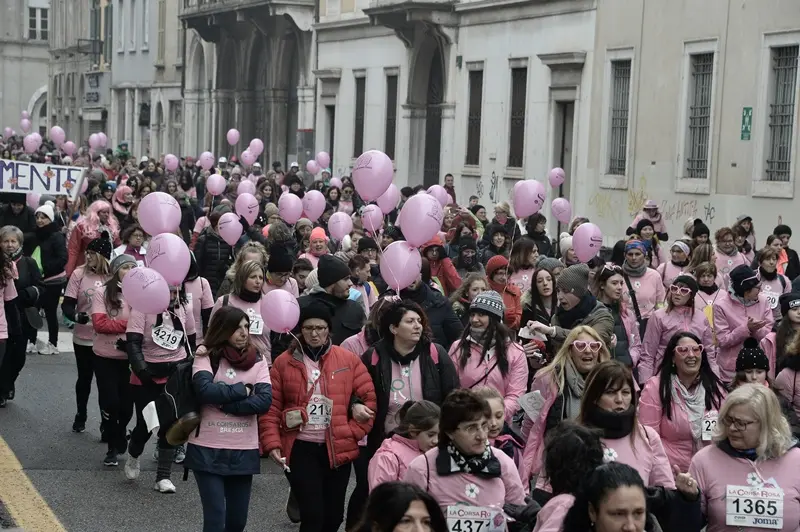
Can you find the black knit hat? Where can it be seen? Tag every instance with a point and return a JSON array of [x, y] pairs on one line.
[[700, 229], [782, 229], [644, 222], [367, 243], [279, 260], [394, 232], [751, 356], [467, 243], [331, 270], [688, 280], [743, 279], [101, 245], [313, 308], [789, 301]]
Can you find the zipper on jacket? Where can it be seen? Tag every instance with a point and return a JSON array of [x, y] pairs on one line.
[[324, 390]]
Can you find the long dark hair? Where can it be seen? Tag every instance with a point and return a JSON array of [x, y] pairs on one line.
[[392, 314], [610, 376], [595, 488], [571, 451], [496, 333], [783, 339], [223, 324], [709, 380], [113, 291], [536, 297], [388, 502]]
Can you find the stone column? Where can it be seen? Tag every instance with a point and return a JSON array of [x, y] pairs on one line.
[[276, 103], [128, 136], [413, 118], [190, 122]]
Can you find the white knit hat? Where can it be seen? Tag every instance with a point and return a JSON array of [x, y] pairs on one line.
[[47, 210], [565, 243]]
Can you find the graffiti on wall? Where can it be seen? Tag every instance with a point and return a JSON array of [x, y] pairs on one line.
[[710, 212], [637, 197], [678, 210], [603, 205]]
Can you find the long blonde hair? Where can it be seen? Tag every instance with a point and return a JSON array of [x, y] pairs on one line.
[[558, 366]]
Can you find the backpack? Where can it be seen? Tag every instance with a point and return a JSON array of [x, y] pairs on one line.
[[177, 406]]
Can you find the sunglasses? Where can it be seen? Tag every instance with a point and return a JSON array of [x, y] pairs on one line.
[[682, 290], [582, 346], [686, 349], [612, 268]]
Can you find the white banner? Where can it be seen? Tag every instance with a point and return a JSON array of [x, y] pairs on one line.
[[41, 178]]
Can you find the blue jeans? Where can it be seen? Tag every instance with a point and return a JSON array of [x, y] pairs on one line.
[[225, 500]]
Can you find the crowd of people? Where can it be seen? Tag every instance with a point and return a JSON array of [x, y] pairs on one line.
[[510, 386]]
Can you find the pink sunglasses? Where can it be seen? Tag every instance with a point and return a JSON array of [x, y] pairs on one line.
[[583, 346]]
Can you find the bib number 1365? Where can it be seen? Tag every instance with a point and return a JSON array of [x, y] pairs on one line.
[[756, 507]]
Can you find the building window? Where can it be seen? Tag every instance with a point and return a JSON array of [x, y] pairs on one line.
[[516, 130], [134, 25], [473, 156], [391, 116], [181, 42], [145, 24], [699, 124], [162, 31], [358, 144], [783, 88], [108, 30], [38, 24], [620, 96]]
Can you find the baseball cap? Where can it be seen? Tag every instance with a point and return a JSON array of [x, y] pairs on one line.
[[294, 164], [223, 160]]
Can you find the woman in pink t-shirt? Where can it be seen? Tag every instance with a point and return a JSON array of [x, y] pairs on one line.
[[232, 383], [247, 282], [77, 306], [109, 315], [199, 297]]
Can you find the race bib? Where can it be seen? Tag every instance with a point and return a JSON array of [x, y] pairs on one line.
[[256, 322], [772, 299], [752, 506], [167, 337], [462, 518], [319, 411], [709, 424]]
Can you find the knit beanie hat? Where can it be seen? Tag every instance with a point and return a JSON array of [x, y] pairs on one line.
[[467, 243], [574, 279], [312, 280], [782, 229], [743, 278], [495, 263], [120, 261], [489, 302], [687, 280], [564, 243], [48, 211], [644, 222], [101, 245], [270, 209], [318, 234], [548, 263], [751, 356], [367, 243], [313, 308], [789, 301], [393, 232], [700, 229], [331, 270], [303, 222], [279, 260]]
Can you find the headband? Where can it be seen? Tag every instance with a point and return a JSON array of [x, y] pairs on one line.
[[635, 244], [682, 245]]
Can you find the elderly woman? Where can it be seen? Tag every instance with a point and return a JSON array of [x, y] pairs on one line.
[[748, 478]]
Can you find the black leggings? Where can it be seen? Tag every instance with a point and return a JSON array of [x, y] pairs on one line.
[[114, 394], [142, 395], [358, 499], [49, 302], [12, 358], [225, 500], [320, 490], [84, 358]]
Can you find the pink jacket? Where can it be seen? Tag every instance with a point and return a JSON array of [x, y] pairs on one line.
[[658, 223], [730, 325], [788, 385], [545, 389], [391, 460], [635, 349], [467, 488], [668, 272], [511, 386], [769, 346], [715, 471], [645, 454], [675, 433], [726, 263], [649, 292], [551, 516], [663, 325], [773, 289], [356, 344]]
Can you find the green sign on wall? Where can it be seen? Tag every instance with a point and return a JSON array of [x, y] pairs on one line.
[[747, 122]]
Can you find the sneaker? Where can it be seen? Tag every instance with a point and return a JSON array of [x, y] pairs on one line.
[[33, 347], [164, 486], [292, 508], [132, 468], [180, 454], [79, 425], [48, 349], [111, 459]]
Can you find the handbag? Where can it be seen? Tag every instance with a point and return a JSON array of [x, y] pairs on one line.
[[642, 322]]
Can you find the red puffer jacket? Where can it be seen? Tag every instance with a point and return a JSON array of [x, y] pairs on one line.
[[342, 376]]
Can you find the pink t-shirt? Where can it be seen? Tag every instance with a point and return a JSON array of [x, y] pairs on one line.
[[105, 345], [219, 430], [313, 433], [290, 286], [259, 334], [82, 286], [9, 294], [521, 279], [201, 224], [313, 259], [406, 386], [200, 297], [144, 325]]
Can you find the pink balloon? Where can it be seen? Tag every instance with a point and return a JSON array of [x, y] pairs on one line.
[[146, 291], [25, 114], [256, 147], [372, 174], [562, 210], [556, 177], [372, 218], [33, 200], [246, 187], [529, 197], [323, 159], [313, 204], [340, 225], [233, 136], [159, 213], [206, 160], [168, 254], [37, 136], [336, 182], [290, 208], [230, 228], [94, 141], [438, 192], [57, 135], [312, 167], [7, 132], [103, 139], [170, 162], [389, 199], [280, 311], [284, 188], [587, 241], [25, 125], [247, 206], [68, 147], [216, 184], [400, 265], [248, 157], [427, 214], [30, 144]]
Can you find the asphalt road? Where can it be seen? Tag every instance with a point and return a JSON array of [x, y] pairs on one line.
[[67, 470]]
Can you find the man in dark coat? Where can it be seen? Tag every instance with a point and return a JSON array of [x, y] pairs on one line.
[[17, 213]]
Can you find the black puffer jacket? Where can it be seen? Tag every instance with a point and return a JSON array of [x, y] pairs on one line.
[[28, 290], [444, 323], [543, 244], [348, 316], [53, 250], [214, 257], [24, 221]]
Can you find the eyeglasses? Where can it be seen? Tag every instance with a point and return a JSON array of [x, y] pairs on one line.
[[582, 346], [686, 349], [315, 329], [682, 290], [474, 428], [738, 424]]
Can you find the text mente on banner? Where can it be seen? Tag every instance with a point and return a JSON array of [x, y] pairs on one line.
[[23, 176]]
